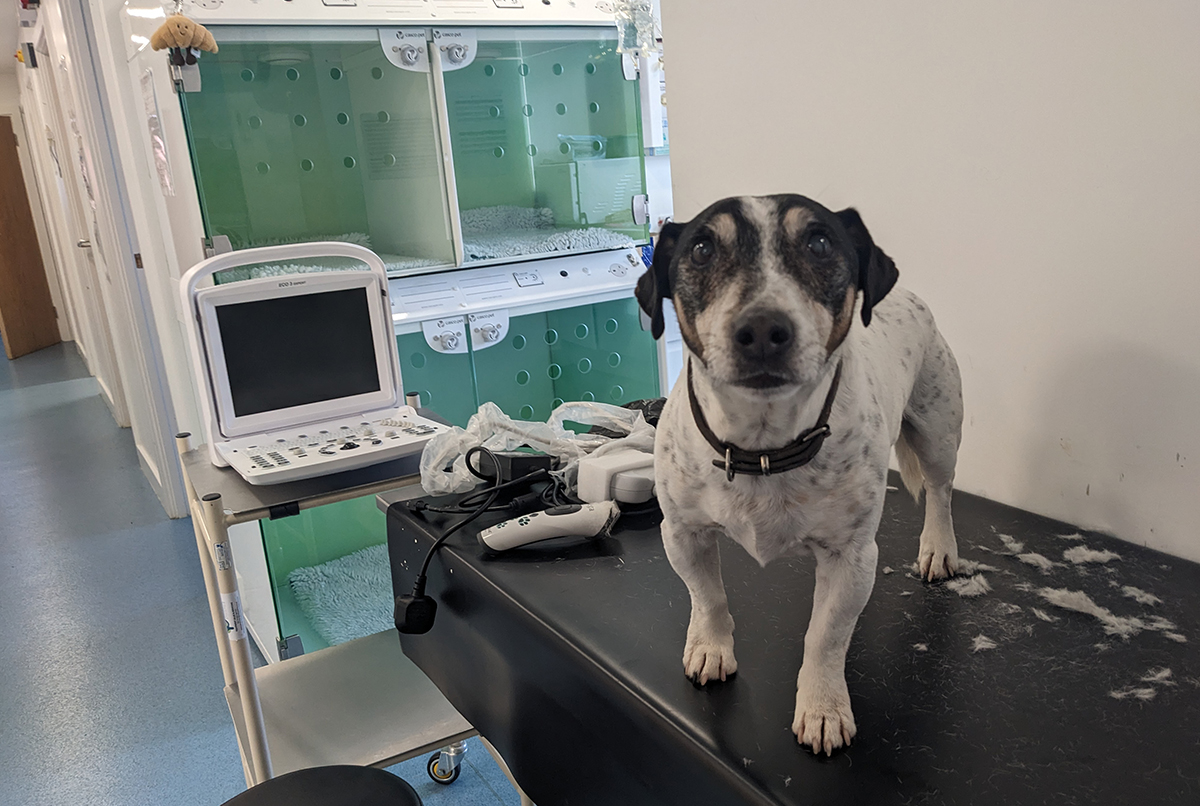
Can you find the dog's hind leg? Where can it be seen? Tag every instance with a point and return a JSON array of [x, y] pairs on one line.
[[693, 553], [927, 450], [823, 719]]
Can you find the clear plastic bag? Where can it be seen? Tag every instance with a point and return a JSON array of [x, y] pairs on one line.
[[443, 462]]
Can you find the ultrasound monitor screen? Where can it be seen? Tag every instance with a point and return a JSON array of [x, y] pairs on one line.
[[295, 350]]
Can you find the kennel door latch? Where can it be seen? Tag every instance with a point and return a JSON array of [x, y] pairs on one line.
[[447, 336], [487, 329], [405, 48]]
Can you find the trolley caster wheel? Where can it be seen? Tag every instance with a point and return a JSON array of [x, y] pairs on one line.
[[436, 774]]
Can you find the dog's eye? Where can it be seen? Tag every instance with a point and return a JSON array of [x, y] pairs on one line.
[[703, 251], [818, 243]]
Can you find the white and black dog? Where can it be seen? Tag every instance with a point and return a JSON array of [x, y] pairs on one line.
[[778, 432]]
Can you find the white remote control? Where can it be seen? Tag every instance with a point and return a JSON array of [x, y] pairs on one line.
[[583, 520]]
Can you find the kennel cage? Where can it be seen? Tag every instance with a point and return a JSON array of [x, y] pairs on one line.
[[490, 151]]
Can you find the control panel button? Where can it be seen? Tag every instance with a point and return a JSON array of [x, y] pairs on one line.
[[509, 3], [527, 278]]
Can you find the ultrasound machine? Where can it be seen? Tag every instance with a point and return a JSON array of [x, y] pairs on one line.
[[300, 371]]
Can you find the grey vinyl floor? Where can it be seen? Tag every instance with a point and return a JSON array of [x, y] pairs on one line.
[[110, 687]]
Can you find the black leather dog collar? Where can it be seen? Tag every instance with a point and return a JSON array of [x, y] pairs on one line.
[[763, 463]]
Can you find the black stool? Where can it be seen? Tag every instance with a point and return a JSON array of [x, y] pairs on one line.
[[342, 785]]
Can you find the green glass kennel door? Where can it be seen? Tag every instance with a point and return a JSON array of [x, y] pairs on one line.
[[303, 134], [590, 352], [546, 138]]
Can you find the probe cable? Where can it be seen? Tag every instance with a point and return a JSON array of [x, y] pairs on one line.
[[414, 613]]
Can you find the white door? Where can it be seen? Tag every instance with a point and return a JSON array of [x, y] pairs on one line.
[[107, 249], [73, 232]]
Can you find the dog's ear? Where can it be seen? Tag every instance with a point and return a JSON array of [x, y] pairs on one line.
[[876, 271], [655, 285]]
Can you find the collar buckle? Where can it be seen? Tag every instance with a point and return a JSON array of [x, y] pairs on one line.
[[729, 464]]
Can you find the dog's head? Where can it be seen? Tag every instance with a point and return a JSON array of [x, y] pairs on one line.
[[765, 287]]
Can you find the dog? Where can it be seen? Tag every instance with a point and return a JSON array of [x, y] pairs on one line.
[[805, 365]]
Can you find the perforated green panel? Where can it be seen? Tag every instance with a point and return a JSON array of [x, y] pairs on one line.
[[590, 352], [444, 381], [604, 354], [315, 138], [513, 373]]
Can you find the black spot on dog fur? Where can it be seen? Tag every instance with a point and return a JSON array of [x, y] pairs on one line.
[[696, 287], [825, 280]]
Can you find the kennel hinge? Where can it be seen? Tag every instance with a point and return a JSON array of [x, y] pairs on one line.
[[216, 245], [290, 647], [185, 77]]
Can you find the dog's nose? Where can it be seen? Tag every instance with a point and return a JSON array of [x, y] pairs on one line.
[[762, 334]]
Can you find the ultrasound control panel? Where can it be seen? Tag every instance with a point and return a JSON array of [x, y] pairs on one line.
[[329, 447]]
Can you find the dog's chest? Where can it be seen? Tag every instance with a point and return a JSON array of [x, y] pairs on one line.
[[824, 505], [795, 512]]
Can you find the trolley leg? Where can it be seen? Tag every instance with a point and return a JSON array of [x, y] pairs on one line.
[[235, 630], [183, 445]]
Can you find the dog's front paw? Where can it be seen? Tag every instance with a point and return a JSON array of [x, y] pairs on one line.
[[937, 562], [708, 656], [823, 718]]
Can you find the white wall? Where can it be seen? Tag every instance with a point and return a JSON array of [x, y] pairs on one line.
[[1034, 169]]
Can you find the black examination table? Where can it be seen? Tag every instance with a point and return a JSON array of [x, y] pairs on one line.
[[568, 659]]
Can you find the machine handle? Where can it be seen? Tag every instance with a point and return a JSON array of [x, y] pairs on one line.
[[275, 254]]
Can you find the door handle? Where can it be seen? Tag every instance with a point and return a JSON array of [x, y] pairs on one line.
[[83, 243]]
